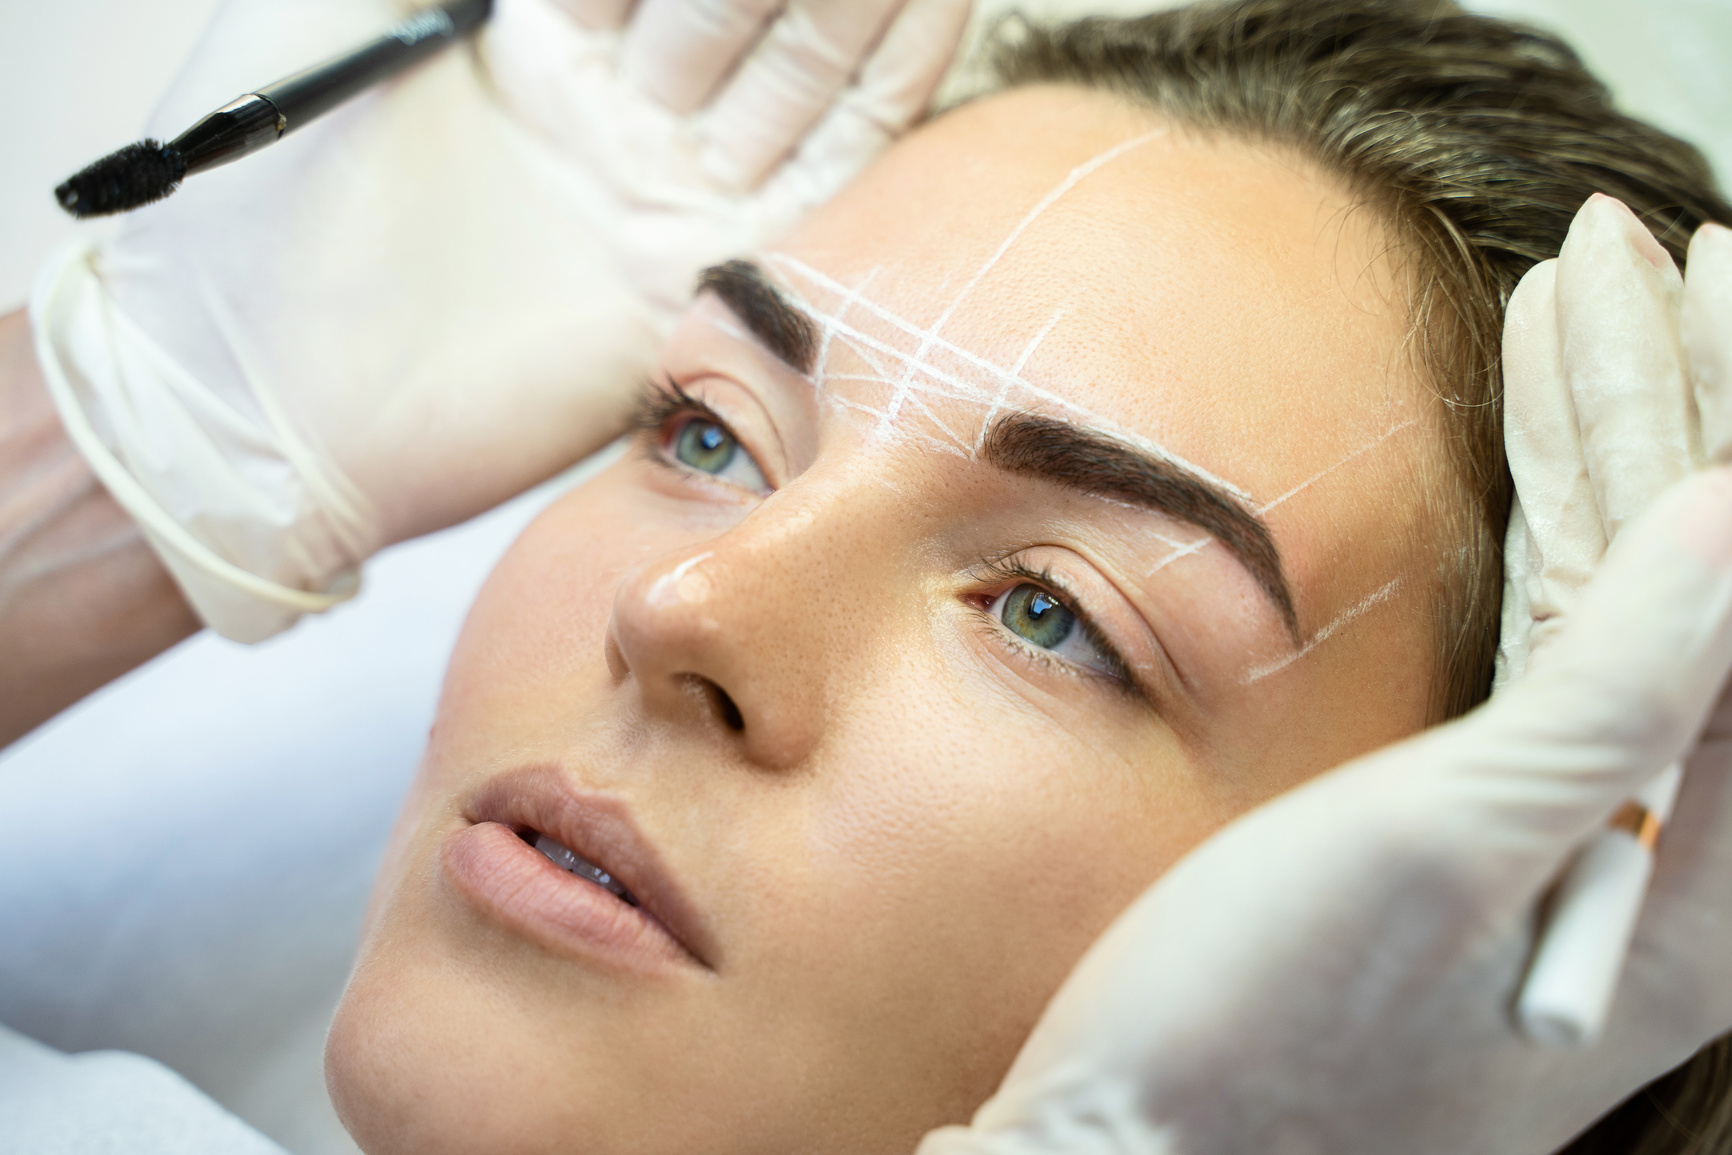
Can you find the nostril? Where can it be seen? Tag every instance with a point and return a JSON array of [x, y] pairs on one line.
[[725, 707]]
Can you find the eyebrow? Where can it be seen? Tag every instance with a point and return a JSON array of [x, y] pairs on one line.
[[1078, 459], [749, 294]]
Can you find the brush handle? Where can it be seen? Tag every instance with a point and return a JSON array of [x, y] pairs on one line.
[[262, 117], [306, 95]]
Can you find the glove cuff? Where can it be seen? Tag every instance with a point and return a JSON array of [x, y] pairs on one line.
[[255, 527]]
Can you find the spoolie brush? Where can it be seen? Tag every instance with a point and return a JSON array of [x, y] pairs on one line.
[[136, 175], [148, 171]]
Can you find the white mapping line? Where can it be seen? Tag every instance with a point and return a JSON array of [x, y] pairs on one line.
[[916, 399], [942, 446], [722, 324], [929, 337], [969, 390], [1182, 551], [1077, 175], [822, 361], [1319, 476], [1257, 673], [1015, 371], [1197, 545]]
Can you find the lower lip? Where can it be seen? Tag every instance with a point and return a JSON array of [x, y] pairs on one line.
[[517, 887]]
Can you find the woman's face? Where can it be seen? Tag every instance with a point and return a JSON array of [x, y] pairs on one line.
[[883, 679]]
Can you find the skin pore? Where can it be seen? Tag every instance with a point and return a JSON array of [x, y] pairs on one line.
[[798, 668]]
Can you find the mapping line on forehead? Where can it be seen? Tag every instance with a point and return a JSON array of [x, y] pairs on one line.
[[956, 444], [969, 390], [1077, 175], [915, 434], [1015, 372], [930, 337], [1258, 673], [965, 390], [1322, 473], [880, 376], [916, 399], [821, 367]]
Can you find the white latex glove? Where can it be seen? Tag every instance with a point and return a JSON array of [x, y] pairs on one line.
[[1335, 971], [1615, 386], [445, 290]]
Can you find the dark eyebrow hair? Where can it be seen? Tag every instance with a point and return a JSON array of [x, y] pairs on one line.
[[760, 306], [1088, 462]]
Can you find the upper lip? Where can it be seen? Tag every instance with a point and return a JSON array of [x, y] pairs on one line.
[[599, 828]]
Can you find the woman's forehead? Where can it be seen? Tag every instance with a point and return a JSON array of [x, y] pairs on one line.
[[1060, 251]]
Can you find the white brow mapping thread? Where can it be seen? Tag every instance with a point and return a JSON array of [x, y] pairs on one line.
[[1258, 673], [1022, 360], [1075, 177], [827, 334], [833, 325], [1322, 473], [949, 385]]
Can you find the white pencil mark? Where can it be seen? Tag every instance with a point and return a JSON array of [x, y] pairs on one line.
[[1319, 476], [1189, 549], [967, 390], [929, 337], [726, 326], [822, 361], [1077, 175], [1015, 372], [1257, 673]]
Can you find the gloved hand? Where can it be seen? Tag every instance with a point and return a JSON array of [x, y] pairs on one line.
[[1334, 971], [446, 290], [1615, 386], [1614, 381]]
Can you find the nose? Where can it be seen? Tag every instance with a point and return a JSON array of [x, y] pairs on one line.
[[735, 635]]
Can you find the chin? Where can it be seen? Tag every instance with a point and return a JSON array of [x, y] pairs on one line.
[[408, 1080]]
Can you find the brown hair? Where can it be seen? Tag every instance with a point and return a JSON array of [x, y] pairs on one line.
[[1479, 140]]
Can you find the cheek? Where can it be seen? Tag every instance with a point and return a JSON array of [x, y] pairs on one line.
[[532, 648], [962, 857]]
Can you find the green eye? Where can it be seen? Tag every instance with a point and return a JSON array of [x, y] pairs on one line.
[[1030, 612], [705, 446]]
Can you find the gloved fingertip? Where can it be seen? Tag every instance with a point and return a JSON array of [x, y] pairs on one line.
[[1706, 332], [1712, 242], [1605, 218], [1532, 306]]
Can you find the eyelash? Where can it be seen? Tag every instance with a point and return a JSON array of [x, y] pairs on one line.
[[659, 401], [1004, 572]]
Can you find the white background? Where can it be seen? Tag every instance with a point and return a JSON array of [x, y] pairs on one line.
[[187, 853]]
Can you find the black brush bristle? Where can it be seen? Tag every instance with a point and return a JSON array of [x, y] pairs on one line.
[[136, 175]]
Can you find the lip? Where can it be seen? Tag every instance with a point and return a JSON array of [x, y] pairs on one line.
[[516, 886]]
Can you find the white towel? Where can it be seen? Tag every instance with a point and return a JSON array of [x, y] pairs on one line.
[[109, 1103]]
